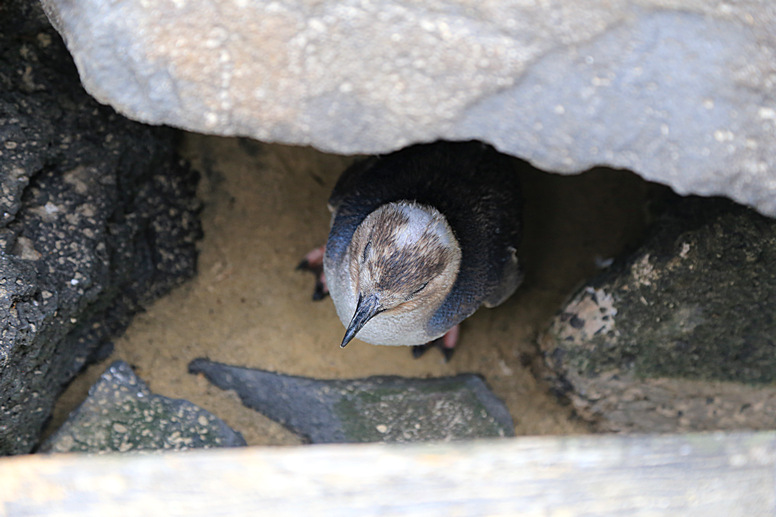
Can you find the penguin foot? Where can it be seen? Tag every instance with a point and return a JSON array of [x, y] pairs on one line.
[[446, 344], [313, 262], [419, 350]]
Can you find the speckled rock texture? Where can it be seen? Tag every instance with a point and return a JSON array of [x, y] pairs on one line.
[[680, 91], [121, 414], [373, 409], [682, 335], [97, 217]]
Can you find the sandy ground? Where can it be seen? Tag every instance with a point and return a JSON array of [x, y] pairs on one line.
[[265, 207]]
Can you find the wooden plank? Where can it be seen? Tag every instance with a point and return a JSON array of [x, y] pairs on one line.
[[697, 474]]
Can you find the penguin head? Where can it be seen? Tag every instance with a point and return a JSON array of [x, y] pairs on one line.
[[403, 257]]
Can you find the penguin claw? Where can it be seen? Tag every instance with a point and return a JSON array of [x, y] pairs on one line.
[[419, 350], [313, 262], [446, 345], [320, 291]]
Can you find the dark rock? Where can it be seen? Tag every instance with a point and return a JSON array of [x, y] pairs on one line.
[[380, 408], [98, 216], [121, 414], [682, 335]]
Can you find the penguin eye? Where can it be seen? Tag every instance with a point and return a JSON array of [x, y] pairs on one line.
[[366, 251]]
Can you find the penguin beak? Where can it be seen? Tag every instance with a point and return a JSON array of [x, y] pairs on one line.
[[366, 309]]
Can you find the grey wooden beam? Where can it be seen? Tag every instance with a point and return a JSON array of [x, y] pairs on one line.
[[716, 474]]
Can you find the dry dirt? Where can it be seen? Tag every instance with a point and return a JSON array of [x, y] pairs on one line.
[[265, 207]]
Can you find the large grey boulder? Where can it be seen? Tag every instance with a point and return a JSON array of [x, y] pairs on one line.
[[680, 91], [681, 336], [98, 216]]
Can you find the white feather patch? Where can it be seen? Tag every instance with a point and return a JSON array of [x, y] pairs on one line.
[[421, 221]]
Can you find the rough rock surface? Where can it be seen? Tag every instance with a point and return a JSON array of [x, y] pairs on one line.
[[681, 91], [97, 217], [374, 409], [121, 414], [682, 335]]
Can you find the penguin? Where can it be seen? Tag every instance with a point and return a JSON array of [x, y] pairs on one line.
[[420, 239]]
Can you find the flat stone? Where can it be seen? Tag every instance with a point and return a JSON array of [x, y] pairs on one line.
[[121, 414], [373, 409], [679, 91], [681, 335]]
